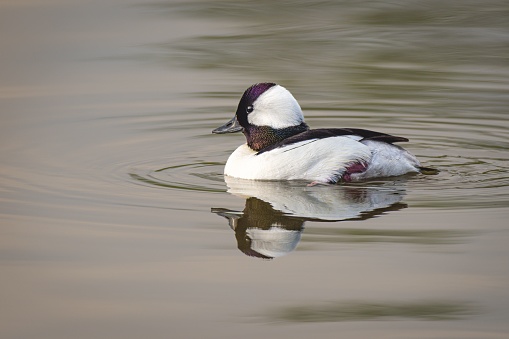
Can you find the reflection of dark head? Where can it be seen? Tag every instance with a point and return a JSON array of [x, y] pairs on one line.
[[259, 215]]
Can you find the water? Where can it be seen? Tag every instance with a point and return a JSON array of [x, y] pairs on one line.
[[116, 221]]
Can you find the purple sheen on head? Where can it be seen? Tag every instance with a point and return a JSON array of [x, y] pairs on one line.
[[253, 92]]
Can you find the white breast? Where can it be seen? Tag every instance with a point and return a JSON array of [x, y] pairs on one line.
[[320, 160]]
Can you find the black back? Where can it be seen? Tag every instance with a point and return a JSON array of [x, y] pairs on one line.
[[322, 133]]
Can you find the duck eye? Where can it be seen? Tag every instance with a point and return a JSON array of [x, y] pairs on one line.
[[249, 109]]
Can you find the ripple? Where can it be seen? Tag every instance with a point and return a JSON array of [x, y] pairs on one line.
[[201, 176], [475, 180]]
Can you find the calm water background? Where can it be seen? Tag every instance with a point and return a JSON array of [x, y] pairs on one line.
[[116, 221]]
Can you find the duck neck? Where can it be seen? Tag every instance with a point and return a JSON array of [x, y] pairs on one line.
[[259, 137]]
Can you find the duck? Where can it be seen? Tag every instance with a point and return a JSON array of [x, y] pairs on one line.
[[281, 146]]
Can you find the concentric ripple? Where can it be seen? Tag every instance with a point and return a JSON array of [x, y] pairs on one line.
[[198, 176]]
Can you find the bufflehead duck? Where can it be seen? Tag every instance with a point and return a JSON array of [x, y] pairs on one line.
[[281, 146]]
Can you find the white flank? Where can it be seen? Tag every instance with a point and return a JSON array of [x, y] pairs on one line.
[[387, 160], [320, 160]]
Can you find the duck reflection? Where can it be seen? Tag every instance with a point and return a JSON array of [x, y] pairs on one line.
[[273, 218]]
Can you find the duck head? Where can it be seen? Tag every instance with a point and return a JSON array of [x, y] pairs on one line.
[[267, 113]]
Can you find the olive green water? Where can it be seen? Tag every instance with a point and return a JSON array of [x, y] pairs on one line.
[[116, 220]]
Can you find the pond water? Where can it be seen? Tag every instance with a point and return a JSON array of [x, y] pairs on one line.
[[116, 220]]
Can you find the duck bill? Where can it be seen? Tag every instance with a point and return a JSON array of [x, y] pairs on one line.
[[231, 126]]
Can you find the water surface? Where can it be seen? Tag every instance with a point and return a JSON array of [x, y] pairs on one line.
[[116, 220]]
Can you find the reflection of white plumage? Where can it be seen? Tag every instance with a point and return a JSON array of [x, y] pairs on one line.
[[322, 202], [273, 242], [280, 145], [275, 211]]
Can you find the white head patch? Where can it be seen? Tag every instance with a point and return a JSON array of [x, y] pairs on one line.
[[276, 108]]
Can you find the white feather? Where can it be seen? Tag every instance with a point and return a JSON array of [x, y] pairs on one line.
[[320, 160], [276, 108], [387, 160]]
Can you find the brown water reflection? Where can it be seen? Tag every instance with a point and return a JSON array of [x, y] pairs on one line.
[[358, 311]]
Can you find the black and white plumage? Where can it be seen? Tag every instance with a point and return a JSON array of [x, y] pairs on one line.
[[281, 146]]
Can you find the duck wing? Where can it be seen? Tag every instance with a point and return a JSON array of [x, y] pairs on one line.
[[322, 133]]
